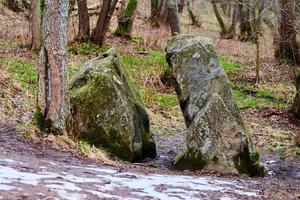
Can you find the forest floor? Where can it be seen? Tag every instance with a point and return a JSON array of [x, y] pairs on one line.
[[36, 166]]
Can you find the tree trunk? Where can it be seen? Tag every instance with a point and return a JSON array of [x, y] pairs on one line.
[[84, 21], [71, 7], [232, 29], [36, 24], [181, 5], [107, 10], [245, 23], [296, 105], [159, 12], [173, 17], [193, 18], [53, 97], [125, 22], [223, 27], [287, 47]]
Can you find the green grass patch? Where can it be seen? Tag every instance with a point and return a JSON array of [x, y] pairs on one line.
[[166, 100], [24, 72], [145, 68], [230, 66], [87, 49], [247, 96], [149, 65]]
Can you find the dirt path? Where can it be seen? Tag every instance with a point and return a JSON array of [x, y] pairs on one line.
[[31, 171]]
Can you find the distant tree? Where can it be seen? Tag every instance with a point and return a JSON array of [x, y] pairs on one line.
[[165, 12], [286, 44], [126, 19], [84, 21], [53, 97], [173, 16], [224, 29], [195, 21], [245, 21], [36, 24], [107, 10]]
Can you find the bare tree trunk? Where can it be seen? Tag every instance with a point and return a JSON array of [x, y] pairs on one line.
[[53, 96], [296, 105], [107, 10], [193, 18], [84, 21], [125, 22], [223, 27], [181, 5], [173, 17], [36, 24], [71, 7], [287, 46], [255, 25], [159, 12], [232, 29], [245, 23]]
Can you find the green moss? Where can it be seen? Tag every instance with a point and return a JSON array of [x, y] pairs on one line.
[[189, 160], [247, 162], [125, 22], [37, 116], [25, 73], [131, 7]]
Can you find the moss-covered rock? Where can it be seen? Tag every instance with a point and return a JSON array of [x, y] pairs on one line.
[[217, 138], [107, 112]]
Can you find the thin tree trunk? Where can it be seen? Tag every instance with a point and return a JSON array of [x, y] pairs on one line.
[[193, 18], [232, 29], [125, 22], [173, 17], [245, 24], [53, 97], [84, 21], [255, 22], [223, 27], [159, 12], [36, 24], [107, 10]]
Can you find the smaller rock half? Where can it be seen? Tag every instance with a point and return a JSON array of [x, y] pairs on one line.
[[107, 112], [217, 138]]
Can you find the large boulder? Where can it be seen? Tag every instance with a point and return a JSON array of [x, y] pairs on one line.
[[107, 112], [217, 138]]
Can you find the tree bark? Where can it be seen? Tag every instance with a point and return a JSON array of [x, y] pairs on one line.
[[53, 96], [159, 12], [232, 29], [223, 27], [173, 17], [107, 10], [125, 22], [193, 18], [287, 46], [181, 5], [84, 21], [36, 24], [245, 23]]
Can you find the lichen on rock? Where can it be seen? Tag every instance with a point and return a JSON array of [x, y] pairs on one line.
[[107, 112], [217, 138]]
